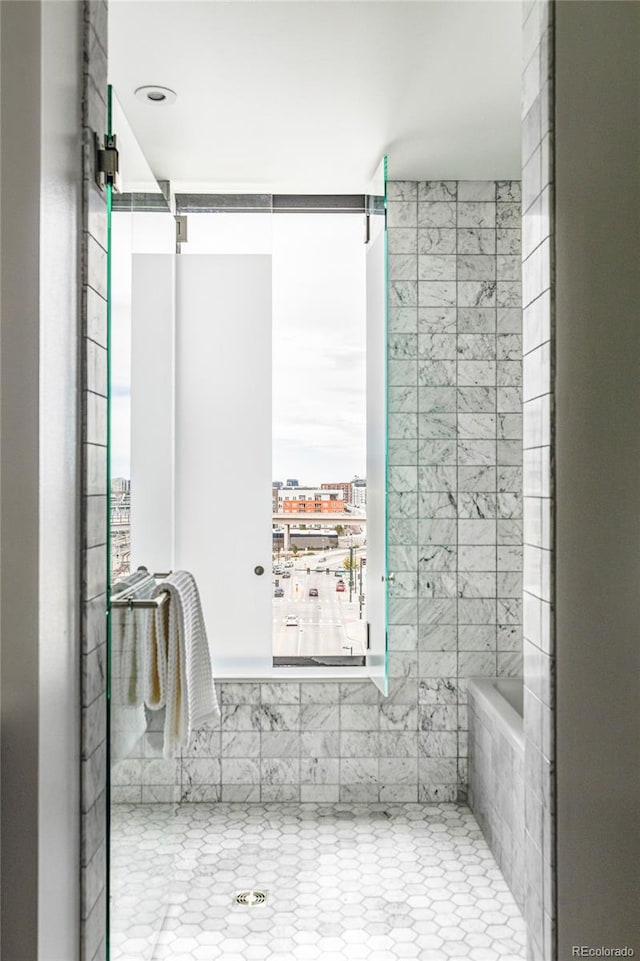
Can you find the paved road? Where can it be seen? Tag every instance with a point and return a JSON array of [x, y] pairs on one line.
[[327, 624]]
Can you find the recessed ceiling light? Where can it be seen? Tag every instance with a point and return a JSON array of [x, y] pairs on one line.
[[156, 95]]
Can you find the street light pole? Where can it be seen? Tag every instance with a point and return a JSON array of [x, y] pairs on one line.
[[350, 572]]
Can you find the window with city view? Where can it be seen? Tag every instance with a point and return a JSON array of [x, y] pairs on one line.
[[319, 494], [263, 339]]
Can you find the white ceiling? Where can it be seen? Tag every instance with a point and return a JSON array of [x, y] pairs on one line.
[[304, 96]]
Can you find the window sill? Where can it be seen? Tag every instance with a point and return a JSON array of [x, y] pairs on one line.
[[340, 662], [250, 672]]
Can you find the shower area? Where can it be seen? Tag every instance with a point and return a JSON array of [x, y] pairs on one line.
[[360, 791], [322, 813]]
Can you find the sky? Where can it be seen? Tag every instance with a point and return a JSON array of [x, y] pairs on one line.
[[319, 404], [318, 361]]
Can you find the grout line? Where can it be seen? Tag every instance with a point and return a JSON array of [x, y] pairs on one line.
[[457, 493], [495, 244]]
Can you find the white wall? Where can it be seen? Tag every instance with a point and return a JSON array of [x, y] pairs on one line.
[[597, 215], [60, 212], [41, 177]]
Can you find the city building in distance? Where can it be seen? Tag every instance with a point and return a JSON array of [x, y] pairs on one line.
[[310, 500]]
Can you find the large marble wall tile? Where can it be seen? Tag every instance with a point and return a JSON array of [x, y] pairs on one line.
[[278, 694], [240, 770], [316, 770], [320, 744], [359, 744], [277, 717], [436, 214], [403, 241], [476, 190], [242, 693], [402, 214], [395, 771], [359, 717], [431, 190], [320, 717], [239, 717], [398, 744], [359, 770], [437, 267], [280, 744], [280, 771], [240, 744]]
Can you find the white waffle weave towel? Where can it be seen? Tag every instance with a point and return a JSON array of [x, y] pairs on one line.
[[188, 692]]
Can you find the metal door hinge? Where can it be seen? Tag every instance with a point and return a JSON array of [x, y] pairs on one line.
[[181, 229], [107, 164]]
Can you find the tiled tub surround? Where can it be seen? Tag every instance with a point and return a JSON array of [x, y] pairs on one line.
[[455, 535], [358, 881], [496, 773]]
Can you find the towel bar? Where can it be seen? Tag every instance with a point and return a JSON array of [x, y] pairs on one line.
[[131, 602], [142, 602]]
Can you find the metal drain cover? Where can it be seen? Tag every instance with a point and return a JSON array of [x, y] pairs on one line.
[[250, 898]]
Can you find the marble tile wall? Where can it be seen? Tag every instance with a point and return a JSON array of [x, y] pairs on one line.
[[496, 789], [285, 741], [455, 440], [455, 506], [538, 339], [94, 489]]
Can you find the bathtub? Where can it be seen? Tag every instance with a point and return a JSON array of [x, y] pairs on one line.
[[496, 772]]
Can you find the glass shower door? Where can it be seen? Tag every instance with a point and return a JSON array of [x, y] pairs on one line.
[[376, 288], [143, 787]]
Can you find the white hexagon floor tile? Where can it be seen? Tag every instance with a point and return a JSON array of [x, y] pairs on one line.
[[378, 882]]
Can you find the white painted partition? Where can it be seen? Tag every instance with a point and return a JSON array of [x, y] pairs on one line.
[[223, 449], [152, 411]]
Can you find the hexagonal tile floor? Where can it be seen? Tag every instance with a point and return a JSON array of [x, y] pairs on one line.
[[380, 882]]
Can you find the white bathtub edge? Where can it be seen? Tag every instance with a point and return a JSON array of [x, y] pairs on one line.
[[485, 690]]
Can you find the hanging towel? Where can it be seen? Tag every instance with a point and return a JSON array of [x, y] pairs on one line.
[[128, 667], [156, 674], [189, 693], [129, 630]]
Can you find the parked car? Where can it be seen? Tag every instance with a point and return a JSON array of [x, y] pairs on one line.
[[319, 569], [291, 620], [286, 574], [339, 586], [288, 563], [313, 592], [279, 592]]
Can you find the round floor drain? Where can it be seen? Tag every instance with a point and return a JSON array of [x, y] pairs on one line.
[[250, 898]]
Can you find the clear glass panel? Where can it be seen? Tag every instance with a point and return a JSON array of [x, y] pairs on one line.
[[377, 571], [139, 223], [319, 440]]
